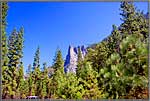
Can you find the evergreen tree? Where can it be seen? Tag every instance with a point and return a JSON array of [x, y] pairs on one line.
[[98, 56], [44, 81], [20, 43], [134, 21], [90, 83], [58, 61], [22, 85], [44, 66], [23, 89], [79, 55], [48, 91], [5, 77], [58, 78], [30, 84], [37, 80], [10, 58], [128, 16], [36, 63], [21, 74], [72, 88], [114, 40], [34, 77], [127, 70], [58, 84], [15, 46]]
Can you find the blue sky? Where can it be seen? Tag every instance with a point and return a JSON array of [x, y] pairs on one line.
[[60, 24]]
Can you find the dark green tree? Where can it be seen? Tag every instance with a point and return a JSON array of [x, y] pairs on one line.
[[58, 84], [44, 81], [134, 21], [79, 56], [36, 62], [114, 40], [22, 85], [89, 81], [23, 89], [44, 66], [79, 61], [58, 61], [5, 77], [15, 54], [58, 79], [98, 56], [30, 84], [126, 72], [36, 74], [128, 17]]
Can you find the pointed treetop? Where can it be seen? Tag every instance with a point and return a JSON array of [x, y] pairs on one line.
[[15, 29], [36, 63], [22, 30], [44, 65]]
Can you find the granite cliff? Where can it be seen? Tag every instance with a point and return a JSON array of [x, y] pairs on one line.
[[70, 64]]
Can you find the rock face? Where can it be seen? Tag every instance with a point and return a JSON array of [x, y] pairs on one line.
[[72, 57]]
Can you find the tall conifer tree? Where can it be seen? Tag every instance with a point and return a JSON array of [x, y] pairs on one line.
[[5, 77], [36, 74]]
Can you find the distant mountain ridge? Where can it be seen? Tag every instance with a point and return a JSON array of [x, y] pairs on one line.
[[70, 64]]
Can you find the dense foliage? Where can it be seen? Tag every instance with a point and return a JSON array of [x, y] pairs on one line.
[[115, 68]]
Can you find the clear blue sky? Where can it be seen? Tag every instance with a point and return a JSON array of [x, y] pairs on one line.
[[60, 24]]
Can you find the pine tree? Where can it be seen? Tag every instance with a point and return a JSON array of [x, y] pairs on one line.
[[23, 89], [98, 56], [36, 63], [58, 83], [36, 74], [58, 78], [79, 55], [124, 70], [58, 61], [15, 46], [90, 83], [20, 54], [44, 81], [134, 21], [21, 82], [12, 57], [30, 84], [128, 16], [44, 66], [113, 40], [5, 77], [49, 92], [20, 43], [21, 73], [72, 88], [36, 78], [136, 51], [128, 69]]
